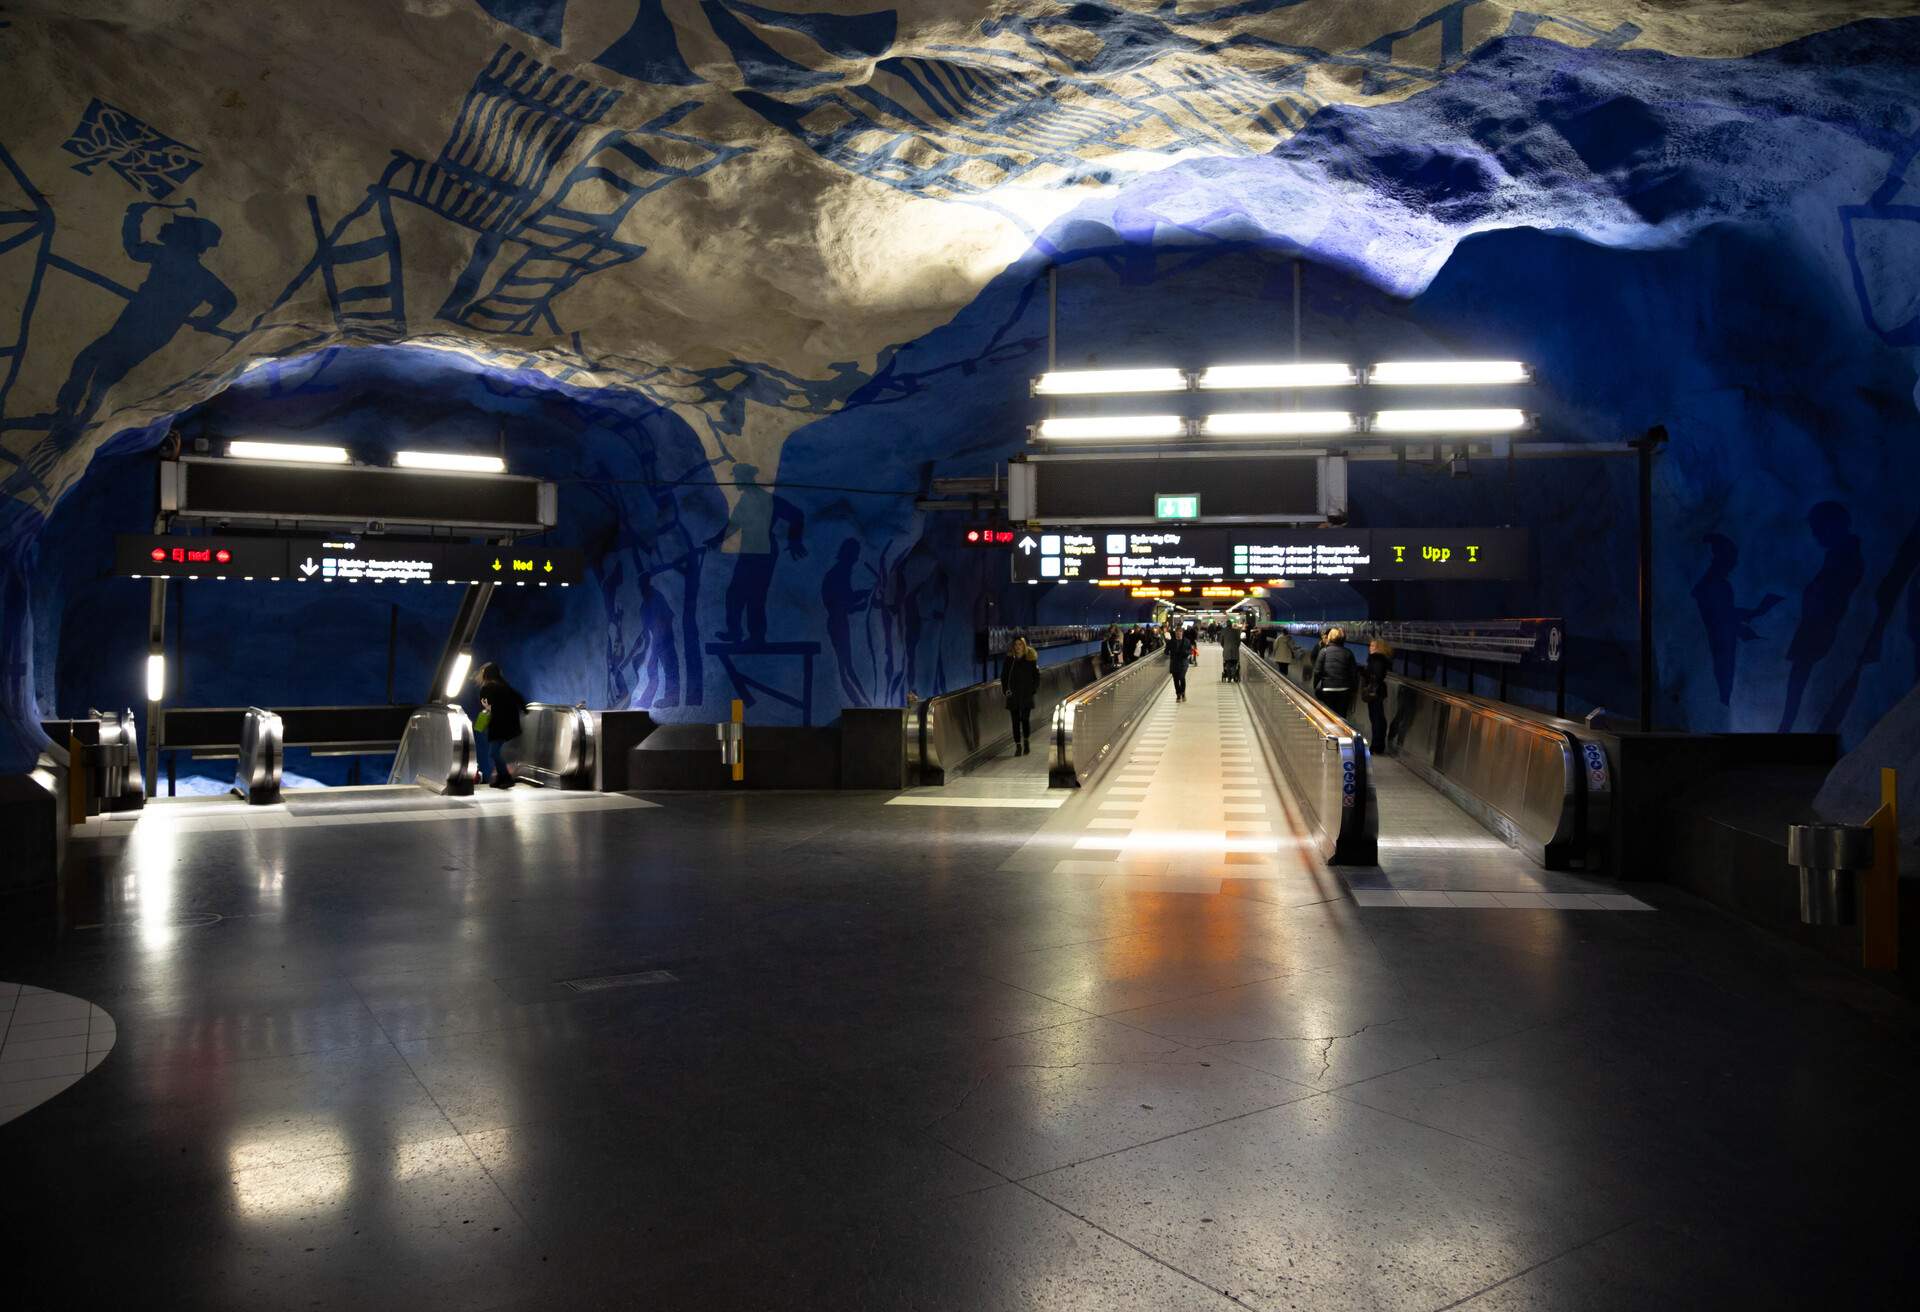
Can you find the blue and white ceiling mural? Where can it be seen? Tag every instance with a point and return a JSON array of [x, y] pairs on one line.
[[787, 250]]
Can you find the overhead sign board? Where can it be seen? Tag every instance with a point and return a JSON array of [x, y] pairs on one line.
[[152, 556], [1222, 555], [344, 560]]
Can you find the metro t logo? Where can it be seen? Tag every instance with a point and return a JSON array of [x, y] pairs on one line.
[[1399, 555], [1473, 555]]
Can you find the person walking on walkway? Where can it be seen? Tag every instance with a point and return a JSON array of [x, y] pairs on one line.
[[501, 707], [1179, 656], [1230, 653], [1020, 680], [1335, 672], [1373, 691]]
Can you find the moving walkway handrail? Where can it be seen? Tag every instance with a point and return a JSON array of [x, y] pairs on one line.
[[557, 745], [1325, 762], [262, 754], [955, 730], [437, 751], [1542, 784], [1089, 724]]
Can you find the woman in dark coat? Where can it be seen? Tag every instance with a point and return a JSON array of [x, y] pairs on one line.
[[503, 707], [1020, 680], [1373, 691]]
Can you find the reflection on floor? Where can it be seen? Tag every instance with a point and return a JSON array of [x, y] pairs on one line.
[[362, 805], [935, 1057]]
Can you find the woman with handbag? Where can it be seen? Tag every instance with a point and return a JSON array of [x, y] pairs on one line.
[[1020, 680], [500, 710]]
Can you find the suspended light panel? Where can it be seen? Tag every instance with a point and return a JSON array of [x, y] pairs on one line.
[[457, 676], [298, 452], [1117, 427], [1448, 373], [1110, 382], [449, 460], [1265, 377], [1277, 423], [1449, 421], [156, 676]]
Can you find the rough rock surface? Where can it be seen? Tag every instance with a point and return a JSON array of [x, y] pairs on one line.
[[671, 237]]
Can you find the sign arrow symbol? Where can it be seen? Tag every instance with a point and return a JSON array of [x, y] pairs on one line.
[[496, 563], [1027, 544], [548, 567], [307, 567]]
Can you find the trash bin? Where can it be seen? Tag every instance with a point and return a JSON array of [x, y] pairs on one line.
[[1830, 858]]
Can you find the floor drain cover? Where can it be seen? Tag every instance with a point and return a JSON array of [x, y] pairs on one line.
[[594, 983]]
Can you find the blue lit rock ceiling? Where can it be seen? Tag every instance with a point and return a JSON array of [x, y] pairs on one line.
[[649, 242]]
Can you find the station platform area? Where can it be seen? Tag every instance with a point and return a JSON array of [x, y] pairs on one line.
[[993, 1045]]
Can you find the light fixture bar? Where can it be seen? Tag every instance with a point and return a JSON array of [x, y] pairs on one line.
[[156, 676], [1277, 423], [1268, 377], [457, 675], [1097, 427], [294, 451], [1109, 382], [1449, 421], [1448, 373], [450, 460]]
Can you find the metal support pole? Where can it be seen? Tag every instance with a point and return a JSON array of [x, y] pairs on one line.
[[156, 646], [1646, 445], [1298, 277], [459, 638], [1053, 317]]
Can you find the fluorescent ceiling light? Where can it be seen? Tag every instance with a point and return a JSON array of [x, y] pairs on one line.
[[1449, 421], [1447, 373], [312, 455], [448, 460], [1276, 423], [1114, 426], [1100, 382], [156, 676], [1259, 377], [458, 674]]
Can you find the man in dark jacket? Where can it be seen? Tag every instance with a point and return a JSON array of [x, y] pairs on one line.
[[503, 707], [1230, 652], [1335, 673]]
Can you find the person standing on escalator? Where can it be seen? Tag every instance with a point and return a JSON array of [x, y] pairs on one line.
[[1179, 656], [501, 707], [1335, 672], [1373, 691], [1020, 680]]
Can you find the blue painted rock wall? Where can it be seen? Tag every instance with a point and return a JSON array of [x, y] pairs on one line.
[[1720, 246]]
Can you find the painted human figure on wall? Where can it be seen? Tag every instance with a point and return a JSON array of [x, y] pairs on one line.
[[645, 671], [755, 513], [1824, 601], [172, 297], [843, 599], [1727, 623]]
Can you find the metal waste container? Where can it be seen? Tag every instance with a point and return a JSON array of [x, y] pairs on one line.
[[1830, 858]]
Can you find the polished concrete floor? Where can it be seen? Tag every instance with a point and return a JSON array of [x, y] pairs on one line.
[[826, 1051]]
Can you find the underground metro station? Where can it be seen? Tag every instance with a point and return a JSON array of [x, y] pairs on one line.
[[1128, 655]]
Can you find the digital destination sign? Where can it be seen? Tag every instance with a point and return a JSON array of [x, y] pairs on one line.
[[1160, 554], [344, 560]]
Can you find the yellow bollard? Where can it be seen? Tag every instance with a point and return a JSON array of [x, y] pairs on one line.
[[740, 717], [1880, 891]]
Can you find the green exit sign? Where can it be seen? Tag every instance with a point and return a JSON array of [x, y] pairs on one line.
[[1176, 505]]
